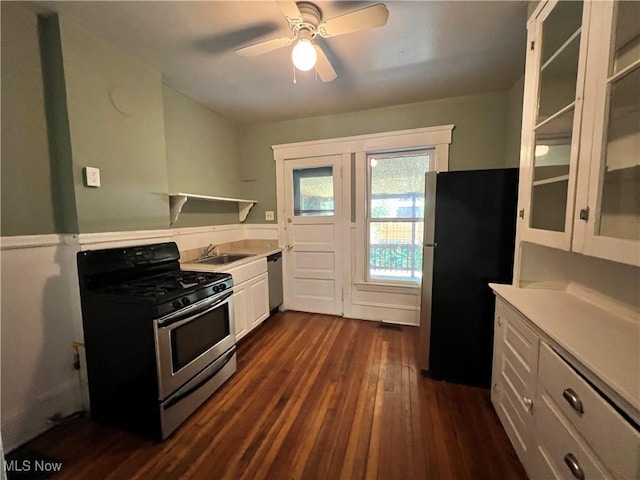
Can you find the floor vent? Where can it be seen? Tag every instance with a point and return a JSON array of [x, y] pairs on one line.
[[389, 326]]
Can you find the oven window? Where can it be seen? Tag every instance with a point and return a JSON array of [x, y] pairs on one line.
[[192, 339]]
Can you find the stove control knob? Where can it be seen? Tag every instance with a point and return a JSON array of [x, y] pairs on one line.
[[216, 289], [176, 304], [185, 301], [222, 286]]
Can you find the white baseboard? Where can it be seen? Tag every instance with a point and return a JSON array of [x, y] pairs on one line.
[[399, 314], [20, 427]]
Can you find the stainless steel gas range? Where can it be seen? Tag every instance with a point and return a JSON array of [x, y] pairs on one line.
[[159, 340]]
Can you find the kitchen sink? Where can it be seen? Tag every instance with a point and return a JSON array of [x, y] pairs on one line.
[[224, 258]]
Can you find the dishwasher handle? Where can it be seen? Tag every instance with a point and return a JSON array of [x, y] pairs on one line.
[[274, 257]]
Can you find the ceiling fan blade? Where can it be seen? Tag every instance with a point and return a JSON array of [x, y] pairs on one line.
[[324, 68], [365, 18], [263, 47], [290, 10]]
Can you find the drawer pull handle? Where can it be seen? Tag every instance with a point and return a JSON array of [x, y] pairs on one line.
[[573, 399], [574, 466]]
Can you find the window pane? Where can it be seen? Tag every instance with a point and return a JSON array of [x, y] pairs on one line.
[[313, 191], [395, 250], [397, 186]]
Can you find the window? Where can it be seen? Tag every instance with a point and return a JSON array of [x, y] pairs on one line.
[[313, 191], [395, 215]]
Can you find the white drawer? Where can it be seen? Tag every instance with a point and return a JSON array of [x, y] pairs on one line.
[[521, 339], [559, 446], [246, 271], [613, 439]]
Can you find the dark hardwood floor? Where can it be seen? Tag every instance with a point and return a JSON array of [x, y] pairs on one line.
[[315, 396]]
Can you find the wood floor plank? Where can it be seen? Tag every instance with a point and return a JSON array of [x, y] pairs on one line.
[[314, 397]]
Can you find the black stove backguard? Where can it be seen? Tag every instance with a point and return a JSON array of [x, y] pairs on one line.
[[100, 268]]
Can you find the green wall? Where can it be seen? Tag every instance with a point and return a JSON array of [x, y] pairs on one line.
[[479, 137], [108, 110], [116, 121], [202, 158], [25, 172]]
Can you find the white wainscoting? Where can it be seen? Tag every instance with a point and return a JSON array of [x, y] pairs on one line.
[[41, 318], [40, 321]]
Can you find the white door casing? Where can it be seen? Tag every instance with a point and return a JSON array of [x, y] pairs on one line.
[[380, 303], [314, 247]]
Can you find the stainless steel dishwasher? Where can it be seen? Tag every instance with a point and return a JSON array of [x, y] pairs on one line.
[[274, 272]]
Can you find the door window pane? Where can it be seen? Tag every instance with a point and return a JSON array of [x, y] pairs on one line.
[[313, 191]]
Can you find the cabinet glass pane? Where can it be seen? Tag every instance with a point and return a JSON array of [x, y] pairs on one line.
[[627, 35], [313, 191], [620, 194], [559, 59], [552, 157], [558, 80], [559, 26]]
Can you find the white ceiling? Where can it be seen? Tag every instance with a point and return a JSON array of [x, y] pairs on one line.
[[427, 50]]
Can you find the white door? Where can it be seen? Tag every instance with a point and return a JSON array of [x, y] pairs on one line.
[[313, 211]]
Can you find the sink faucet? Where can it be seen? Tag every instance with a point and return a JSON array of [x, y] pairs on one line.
[[210, 251]]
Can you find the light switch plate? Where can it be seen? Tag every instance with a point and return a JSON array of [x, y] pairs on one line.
[[268, 215], [92, 176]]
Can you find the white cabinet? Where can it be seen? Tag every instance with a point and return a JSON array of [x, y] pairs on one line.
[[576, 429], [580, 167], [258, 289], [250, 295], [608, 193], [559, 424], [514, 378], [552, 113], [241, 306]]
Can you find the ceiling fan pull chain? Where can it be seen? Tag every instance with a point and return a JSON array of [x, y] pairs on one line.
[[294, 74]]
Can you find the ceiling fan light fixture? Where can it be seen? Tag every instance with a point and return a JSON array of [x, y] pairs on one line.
[[304, 55]]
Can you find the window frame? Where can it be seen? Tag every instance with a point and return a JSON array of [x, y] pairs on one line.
[[369, 220]]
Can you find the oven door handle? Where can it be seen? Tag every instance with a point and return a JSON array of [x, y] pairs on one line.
[[180, 394], [199, 310]]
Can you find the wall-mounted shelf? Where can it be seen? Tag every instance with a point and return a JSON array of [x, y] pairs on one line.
[[177, 201]]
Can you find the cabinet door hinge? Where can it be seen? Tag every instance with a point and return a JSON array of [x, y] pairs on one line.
[[533, 44], [521, 213], [584, 214]]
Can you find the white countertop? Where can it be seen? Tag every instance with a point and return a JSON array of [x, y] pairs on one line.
[[602, 345]]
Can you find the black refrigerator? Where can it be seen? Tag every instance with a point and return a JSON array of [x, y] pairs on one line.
[[469, 237]]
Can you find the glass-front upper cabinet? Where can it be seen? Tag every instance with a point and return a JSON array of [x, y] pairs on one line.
[[608, 195], [554, 81]]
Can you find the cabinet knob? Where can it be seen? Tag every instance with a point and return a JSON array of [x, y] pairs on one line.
[[527, 403], [574, 466], [289, 246], [573, 399]]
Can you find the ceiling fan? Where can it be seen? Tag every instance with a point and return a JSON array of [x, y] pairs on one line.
[[305, 20]]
